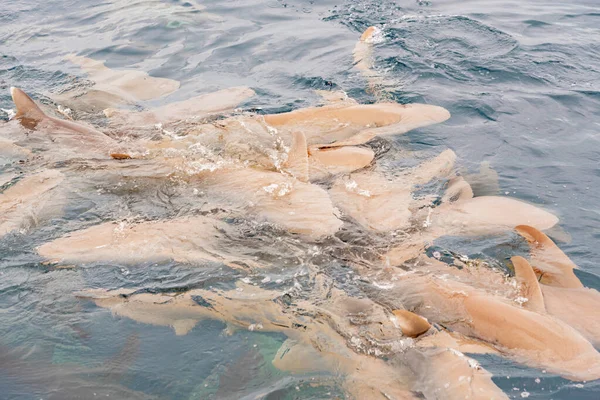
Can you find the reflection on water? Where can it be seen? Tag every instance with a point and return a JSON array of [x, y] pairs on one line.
[[243, 255]]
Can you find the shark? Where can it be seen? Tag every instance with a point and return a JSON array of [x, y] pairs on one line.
[[60, 139], [487, 309], [311, 173], [184, 240], [112, 87], [327, 332], [551, 287]]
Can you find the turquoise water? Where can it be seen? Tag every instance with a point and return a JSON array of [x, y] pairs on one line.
[[521, 79]]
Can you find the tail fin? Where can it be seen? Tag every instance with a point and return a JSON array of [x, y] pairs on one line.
[[27, 111]]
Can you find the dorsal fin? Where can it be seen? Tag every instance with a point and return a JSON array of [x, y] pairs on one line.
[[297, 162], [27, 111], [555, 266], [534, 236], [529, 285]]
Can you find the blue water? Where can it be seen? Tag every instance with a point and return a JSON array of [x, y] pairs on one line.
[[521, 79]]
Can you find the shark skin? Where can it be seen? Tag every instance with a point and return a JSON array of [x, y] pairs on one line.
[[487, 215], [273, 197], [382, 204], [335, 125], [204, 106]]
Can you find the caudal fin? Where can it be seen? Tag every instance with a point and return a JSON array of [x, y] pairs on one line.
[[27, 111]]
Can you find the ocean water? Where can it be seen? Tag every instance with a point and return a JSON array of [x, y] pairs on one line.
[[521, 80]]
